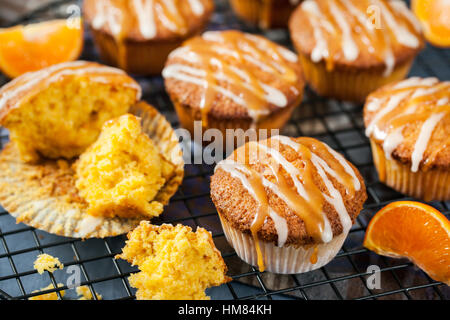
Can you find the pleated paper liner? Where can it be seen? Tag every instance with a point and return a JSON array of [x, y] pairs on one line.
[[44, 195]]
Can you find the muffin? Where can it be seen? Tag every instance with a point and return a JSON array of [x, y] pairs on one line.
[[287, 204], [408, 124], [349, 48], [58, 112], [233, 80], [113, 180], [138, 35], [122, 172], [265, 14], [174, 262]]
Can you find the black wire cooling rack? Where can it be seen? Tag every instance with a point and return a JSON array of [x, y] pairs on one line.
[[336, 123]]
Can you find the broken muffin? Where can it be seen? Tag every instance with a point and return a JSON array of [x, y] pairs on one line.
[[122, 172], [174, 262]]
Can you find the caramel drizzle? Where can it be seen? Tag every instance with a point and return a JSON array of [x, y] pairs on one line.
[[222, 62], [343, 27], [144, 14], [423, 101], [10, 92], [299, 191]]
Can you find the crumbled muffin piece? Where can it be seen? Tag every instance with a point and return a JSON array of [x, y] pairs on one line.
[[48, 296], [46, 262], [175, 263], [86, 294], [122, 172]]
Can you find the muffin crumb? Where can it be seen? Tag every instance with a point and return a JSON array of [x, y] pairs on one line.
[[46, 262]]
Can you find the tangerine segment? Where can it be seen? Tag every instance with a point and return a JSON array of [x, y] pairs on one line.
[[415, 231], [36, 46], [434, 16]]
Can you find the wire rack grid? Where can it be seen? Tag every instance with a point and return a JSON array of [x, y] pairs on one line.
[[337, 123]]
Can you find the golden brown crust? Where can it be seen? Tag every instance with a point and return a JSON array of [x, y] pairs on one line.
[[437, 152], [223, 107], [132, 33], [23, 88], [302, 34], [235, 204]]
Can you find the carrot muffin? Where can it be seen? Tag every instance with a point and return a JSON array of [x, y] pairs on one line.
[[138, 35], [59, 111], [287, 204], [232, 80], [265, 13], [121, 173], [45, 262], [349, 48], [174, 262], [408, 124]]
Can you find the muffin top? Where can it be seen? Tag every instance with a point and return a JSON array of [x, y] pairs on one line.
[[142, 20], [289, 191], [230, 74], [17, 91], [359, 33], [411, 120]]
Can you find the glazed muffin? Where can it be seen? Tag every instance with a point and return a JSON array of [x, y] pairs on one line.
[[287, 204], [408, 124], [138, 35], [60, 110], [233, 80], [175, 263], [349, 48], [265, 14], [121, 173]]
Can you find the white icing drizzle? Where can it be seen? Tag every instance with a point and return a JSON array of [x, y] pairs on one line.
[[346, 166], [197, 7], [146, 12], [349, 47], [402, 34], [418, 93], [392, 141], [321, 50], [391, 105], [145, 16], [224, 71], [422, 141], [54, 73], [335, 199], [237, 170]]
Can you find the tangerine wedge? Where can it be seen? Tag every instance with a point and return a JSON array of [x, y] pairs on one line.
[[413, 230], [434, 16], [36, 46]]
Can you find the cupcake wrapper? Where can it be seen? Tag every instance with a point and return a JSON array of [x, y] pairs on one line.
[[433, 184], [262, 13], [276, 120], [282, 260], [348, 84], [27, 194]]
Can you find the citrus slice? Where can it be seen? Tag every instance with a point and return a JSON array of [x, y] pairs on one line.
[[434, 16], [413, 230], [36, 46]]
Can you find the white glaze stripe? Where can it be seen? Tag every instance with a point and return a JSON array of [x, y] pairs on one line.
[[336, 199], [233, 169], [422, 141]]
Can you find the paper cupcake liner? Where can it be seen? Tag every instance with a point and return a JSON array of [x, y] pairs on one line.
[[44, 195], [433, 184], [282, 260], [276, 120], [137, 57], [265, 14], [348, 84]]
